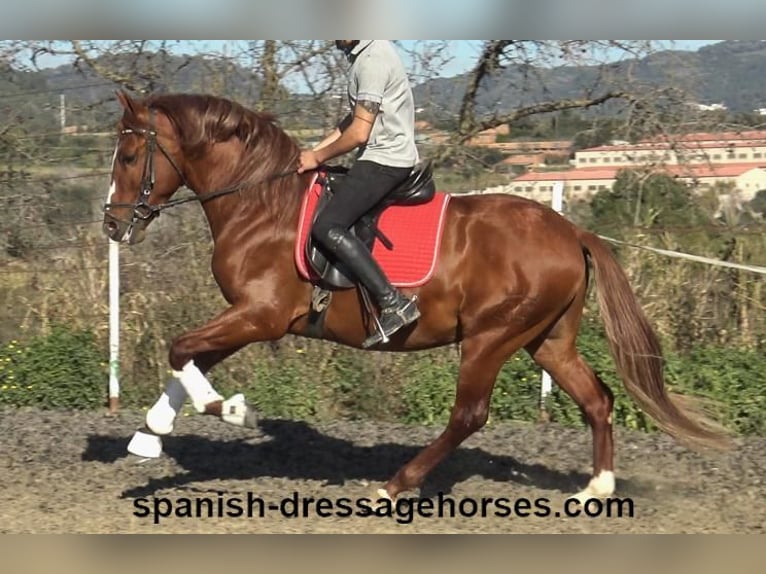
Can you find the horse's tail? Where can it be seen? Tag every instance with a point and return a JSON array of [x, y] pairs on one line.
[[638, 355]]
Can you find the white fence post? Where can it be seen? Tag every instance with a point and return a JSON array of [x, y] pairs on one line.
[[114, 326], [546, 385]]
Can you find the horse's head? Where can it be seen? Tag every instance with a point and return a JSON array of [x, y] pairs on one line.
[[146, 171]]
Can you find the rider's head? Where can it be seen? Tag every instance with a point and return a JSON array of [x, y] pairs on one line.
[[346, 45]]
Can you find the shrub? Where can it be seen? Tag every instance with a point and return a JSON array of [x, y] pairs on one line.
[[63, 369], [67, 369], [428, 389]]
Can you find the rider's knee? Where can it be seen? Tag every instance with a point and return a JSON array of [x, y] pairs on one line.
[[328, 234]]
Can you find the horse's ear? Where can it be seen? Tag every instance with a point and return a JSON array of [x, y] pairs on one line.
[[130, 105]]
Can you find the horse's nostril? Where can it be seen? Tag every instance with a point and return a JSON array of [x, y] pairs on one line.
[[110, 228]]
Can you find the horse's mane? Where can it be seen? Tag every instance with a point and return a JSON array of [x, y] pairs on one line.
[[267, 150]]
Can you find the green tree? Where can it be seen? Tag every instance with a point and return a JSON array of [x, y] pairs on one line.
[[645, 200], [598, 133]]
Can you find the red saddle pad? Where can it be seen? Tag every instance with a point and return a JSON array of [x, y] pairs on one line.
[[415, 232]]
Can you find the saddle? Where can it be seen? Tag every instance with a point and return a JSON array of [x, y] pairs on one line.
[[417, 189]]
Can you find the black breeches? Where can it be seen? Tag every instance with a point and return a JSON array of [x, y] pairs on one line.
[[365, 185]]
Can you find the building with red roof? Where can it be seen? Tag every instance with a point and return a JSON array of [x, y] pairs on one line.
[[701, 160]]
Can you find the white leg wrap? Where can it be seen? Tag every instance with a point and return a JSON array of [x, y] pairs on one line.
[[197, 386], [601, 486], [160, 418]]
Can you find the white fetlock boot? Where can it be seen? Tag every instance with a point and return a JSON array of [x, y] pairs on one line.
[[236, 411], [601, 486], [196, 385], [145, 445], [159, 421]]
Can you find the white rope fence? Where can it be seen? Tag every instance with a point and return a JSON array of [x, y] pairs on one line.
[[689, 257]]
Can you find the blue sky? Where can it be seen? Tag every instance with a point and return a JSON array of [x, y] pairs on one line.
[[462, 55], [465, 52], [462, 52]]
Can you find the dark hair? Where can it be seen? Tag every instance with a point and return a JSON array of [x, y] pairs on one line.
[[346, 47]]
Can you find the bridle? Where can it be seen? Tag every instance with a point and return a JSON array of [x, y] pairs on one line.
[[145, 212]]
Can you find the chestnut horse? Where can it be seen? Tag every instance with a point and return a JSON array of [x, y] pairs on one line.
[[511, 274]]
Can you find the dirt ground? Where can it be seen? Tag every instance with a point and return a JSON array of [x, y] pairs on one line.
[[69, 472]]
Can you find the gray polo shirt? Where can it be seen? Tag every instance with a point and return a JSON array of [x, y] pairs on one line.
[[378, 75]]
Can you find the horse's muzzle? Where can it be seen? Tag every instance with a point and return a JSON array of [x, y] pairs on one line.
[[127, 231], [112, 230]]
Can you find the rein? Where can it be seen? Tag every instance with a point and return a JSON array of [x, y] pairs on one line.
[[225, 191]]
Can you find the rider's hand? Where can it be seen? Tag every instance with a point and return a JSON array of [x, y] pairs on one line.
[[307, 161]]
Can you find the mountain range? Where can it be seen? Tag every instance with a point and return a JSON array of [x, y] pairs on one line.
[[729, 72]]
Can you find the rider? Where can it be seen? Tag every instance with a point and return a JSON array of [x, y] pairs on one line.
[[381, 125]]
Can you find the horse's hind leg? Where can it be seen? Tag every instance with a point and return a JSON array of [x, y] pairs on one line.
[[481, 360], [558, 355]]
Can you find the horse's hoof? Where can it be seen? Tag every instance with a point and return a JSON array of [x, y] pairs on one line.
[[236, 411], [582, 497], [383, 493], [381, 499], [601, 486], [145, 445]]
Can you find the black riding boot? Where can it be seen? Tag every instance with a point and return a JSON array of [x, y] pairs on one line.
[[396, 310]]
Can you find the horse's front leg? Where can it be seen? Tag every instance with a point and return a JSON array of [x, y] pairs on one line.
[[192, 355]]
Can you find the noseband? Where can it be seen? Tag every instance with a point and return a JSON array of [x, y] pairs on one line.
[[142, 210]]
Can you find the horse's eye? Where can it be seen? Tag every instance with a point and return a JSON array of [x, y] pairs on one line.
[[127, 159]]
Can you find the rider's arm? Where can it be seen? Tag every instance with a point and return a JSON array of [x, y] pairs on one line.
[[356, 134], [342, 125]]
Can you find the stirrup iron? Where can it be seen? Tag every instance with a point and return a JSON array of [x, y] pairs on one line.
[[371, 310]]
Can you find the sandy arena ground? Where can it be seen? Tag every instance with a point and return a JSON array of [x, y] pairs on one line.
[[69, 472]]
